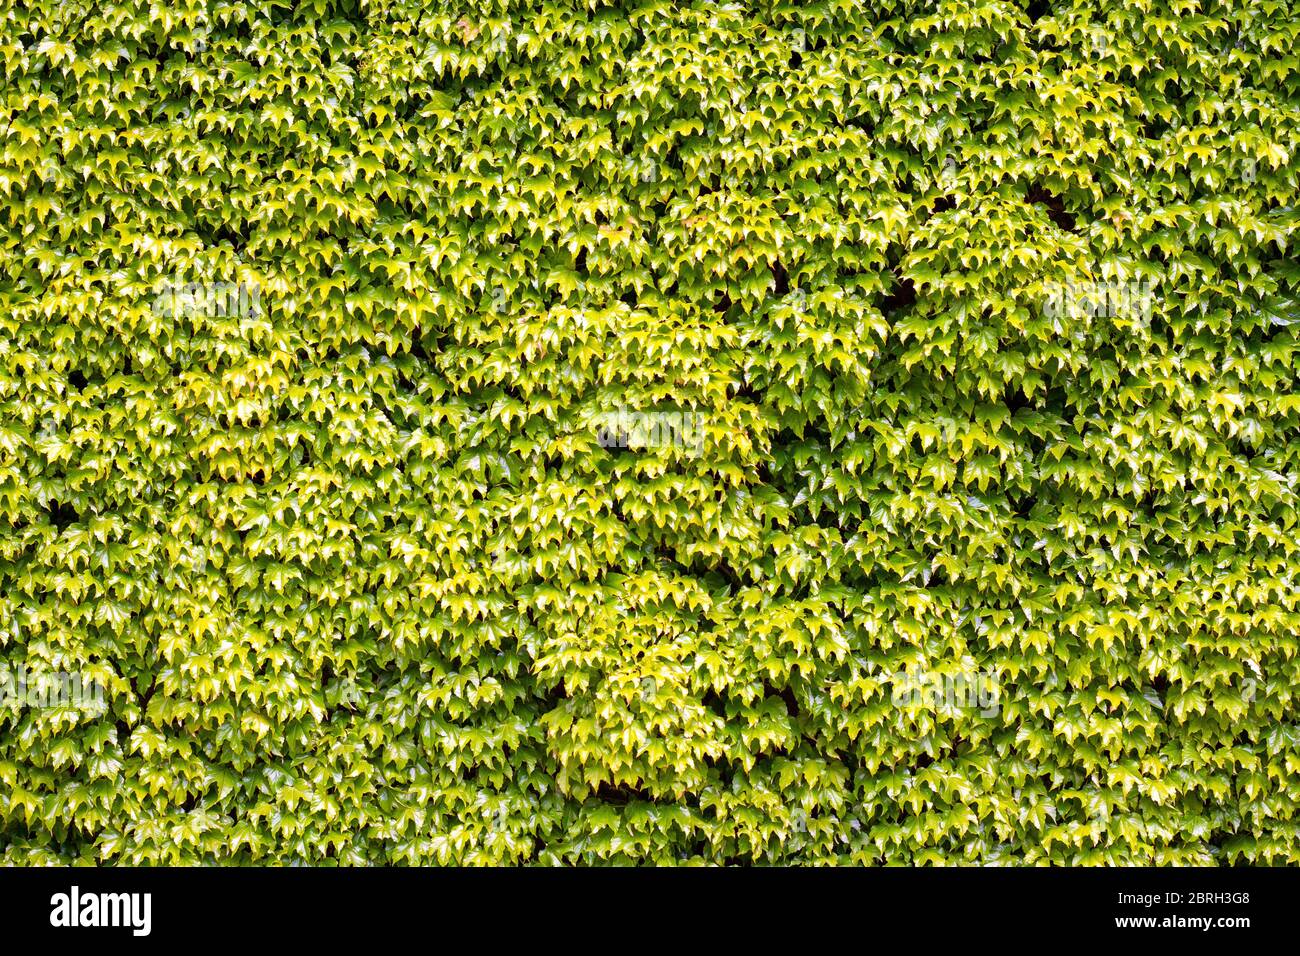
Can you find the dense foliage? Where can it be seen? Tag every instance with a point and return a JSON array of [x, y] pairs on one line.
[[544, 432]]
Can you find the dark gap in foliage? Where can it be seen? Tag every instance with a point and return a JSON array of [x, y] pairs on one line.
[[616, 442], [673, 159], [842, 515], [781, 278], [1038, 9], [1055, 207], [1056, 400], [221, 232], [62, 515], [728, 574], [1014, 398], [1023, 505], [620, 795], [902, 296], [715, 702], [416, 347], [555, 696], [76, 380], [406, 111], [75, 841], [943, 204], [407, 373], [665, 554], [864, 122], [746, 390], [721, 766], [786, 694], [1155, 128]]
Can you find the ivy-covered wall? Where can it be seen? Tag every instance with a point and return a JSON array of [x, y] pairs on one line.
[[658, 432]]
